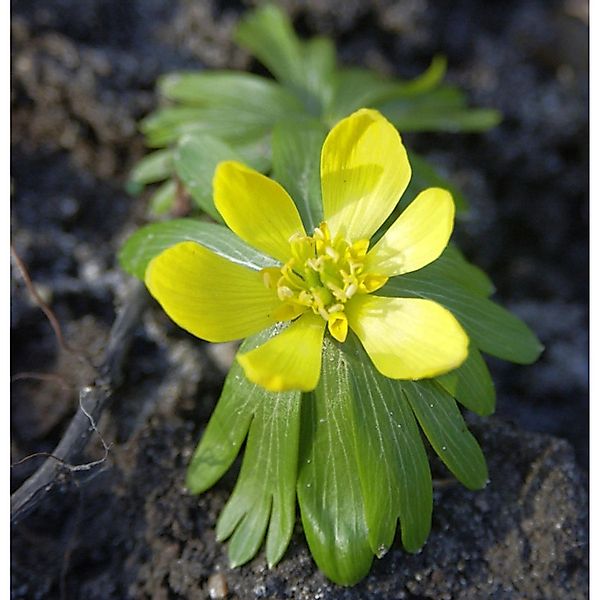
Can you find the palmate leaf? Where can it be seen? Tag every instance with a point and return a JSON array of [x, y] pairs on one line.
[[241, 91], [149, 241], [233, 106], [355, 88], [167, 125], [351, 451], [265, 493], [306, 68], [392, 462], [268, 34], [466, 120], [241, 109], [329, 490], [193, 163], [265, 490]]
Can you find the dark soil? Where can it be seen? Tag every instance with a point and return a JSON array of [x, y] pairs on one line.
[[83, 74]]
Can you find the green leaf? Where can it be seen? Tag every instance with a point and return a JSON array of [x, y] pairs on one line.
[[149, 241], [196, 158], [265, 492], [444, 97], [317, 74], [447, 432], [452, 267], [329, 491], [427, 81], [229, 423], [234, 90], [154, 167], [471, 384], [255, 153], [163, 198], [297, 164], [356, 88], [438, 112], [226, 431], [167, 125], [392, 462], [268, 34], [306, 68], [492, 328], [425, 176], [266, 487]]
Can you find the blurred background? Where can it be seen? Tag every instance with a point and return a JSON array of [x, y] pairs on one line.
[[83, 74]]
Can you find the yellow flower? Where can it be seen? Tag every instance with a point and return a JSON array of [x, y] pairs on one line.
[[325, 279]]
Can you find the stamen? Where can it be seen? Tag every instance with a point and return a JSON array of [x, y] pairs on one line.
[[332, 253], [321, 275], [351, 290], [318, 234], [284, 292], [316, 264], [323, 313]]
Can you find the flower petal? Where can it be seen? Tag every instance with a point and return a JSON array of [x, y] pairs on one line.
[[208, 295], [256, 208], [418, 236], [289, 361], [408, 338], [364, 171]]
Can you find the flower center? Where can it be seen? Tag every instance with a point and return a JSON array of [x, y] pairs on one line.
[[322, 275]]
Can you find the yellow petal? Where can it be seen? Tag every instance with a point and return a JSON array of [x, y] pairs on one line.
[[408, 338], [364, 171], [256, 208], [418, 236], [208, 295], [289, 361]]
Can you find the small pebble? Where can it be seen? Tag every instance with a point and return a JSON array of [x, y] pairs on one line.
[[217, 586]]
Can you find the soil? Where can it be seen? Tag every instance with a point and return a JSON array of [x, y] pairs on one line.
[[83, 74]]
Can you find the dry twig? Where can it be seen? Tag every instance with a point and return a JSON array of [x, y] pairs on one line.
[[92, 399]]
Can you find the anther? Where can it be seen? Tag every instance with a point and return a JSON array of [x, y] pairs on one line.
[[332, 253], [284, 292], [318, 234], [351, 290]]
